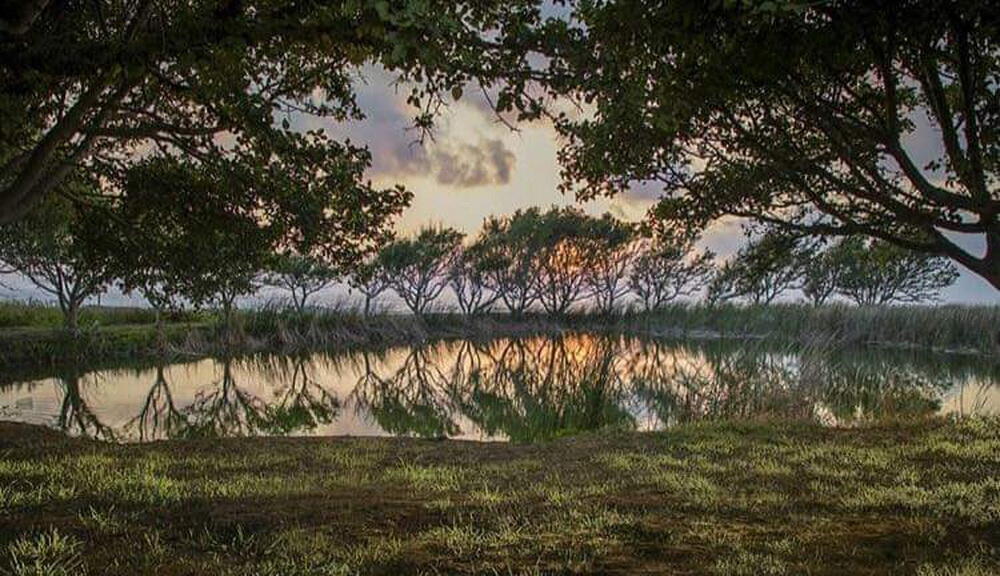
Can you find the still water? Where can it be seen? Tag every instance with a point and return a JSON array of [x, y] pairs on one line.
[[522, 390]]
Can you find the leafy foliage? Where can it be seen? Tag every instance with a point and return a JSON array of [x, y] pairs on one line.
[[506, 251], [96, 88], [49, 250], [467, 278], [417, 267], [205, 231], [873, 118], [301, 276], [878, 273], [611, 251], [562, 253], [666, 270], [760, 271], [371, 279]]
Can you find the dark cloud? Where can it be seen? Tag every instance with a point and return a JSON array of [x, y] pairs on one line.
[[643, 192], [462, 165], [465, 165], [387, 131]]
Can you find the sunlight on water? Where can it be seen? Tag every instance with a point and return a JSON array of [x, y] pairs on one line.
[[521, 390]]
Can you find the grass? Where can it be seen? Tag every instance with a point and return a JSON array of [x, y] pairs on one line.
[[45, 554], [721, 498], [19, 314], [30, 334], [947, 327]]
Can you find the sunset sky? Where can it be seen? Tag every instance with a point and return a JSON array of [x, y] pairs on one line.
[[476, 166]]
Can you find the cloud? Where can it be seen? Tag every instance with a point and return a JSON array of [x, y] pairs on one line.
[[466, 165], [462, 154], [646, 192], [460, 165]]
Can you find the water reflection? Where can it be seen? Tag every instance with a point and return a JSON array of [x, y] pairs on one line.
[[523, 390]]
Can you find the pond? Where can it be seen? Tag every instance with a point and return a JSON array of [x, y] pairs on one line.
[[521, 390]]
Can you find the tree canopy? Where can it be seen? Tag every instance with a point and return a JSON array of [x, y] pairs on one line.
[[879, 273], [92, 88], [832, 118], [417, 268], [48, 249], [760, 271]]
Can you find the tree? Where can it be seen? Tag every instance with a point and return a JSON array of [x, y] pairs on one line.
[[508, 249], [873, 118], [561, 252], [611, 250], [467, 278], [178, 229], [665, 270], [186, 226], [760, 271], [49, 250], [417, 268], [371, 279], [86, 85], [879, 273], [821, 270], [301, 276]]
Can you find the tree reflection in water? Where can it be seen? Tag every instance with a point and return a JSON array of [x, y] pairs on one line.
[[225, 409], [75, 417], [412, 401], [542, 388], [159, 416], [532, 389]]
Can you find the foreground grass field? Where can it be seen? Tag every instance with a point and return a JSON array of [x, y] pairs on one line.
[[918, 498]]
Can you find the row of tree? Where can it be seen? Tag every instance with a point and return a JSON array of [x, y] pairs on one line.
[[532, 260], [554, 260], [864, 271]]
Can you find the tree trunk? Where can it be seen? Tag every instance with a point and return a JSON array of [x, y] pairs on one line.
[[300, 303], [228, 308], [161, 337], [71, 317]]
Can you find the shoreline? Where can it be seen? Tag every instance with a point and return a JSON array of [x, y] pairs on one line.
[[947, 330]]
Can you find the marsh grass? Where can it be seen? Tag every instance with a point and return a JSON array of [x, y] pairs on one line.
[[30, 333], [35, 314], [719, 498], [964, 328]]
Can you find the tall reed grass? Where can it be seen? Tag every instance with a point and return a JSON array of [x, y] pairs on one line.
[[950, 327], [28, 336], [36, 314]]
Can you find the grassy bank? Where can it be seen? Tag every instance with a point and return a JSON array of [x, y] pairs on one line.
[[29, 337], [719, 498]]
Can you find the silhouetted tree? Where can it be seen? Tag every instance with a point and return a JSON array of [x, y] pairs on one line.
[[611, 251], [301, 276], [91, 88], [760, 271], [561, 253], [879, 273], [508, 258], [821, 270], [371, 279], [666, 270], [49, 250], [825, 135], [467, 278], [417, 268]]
